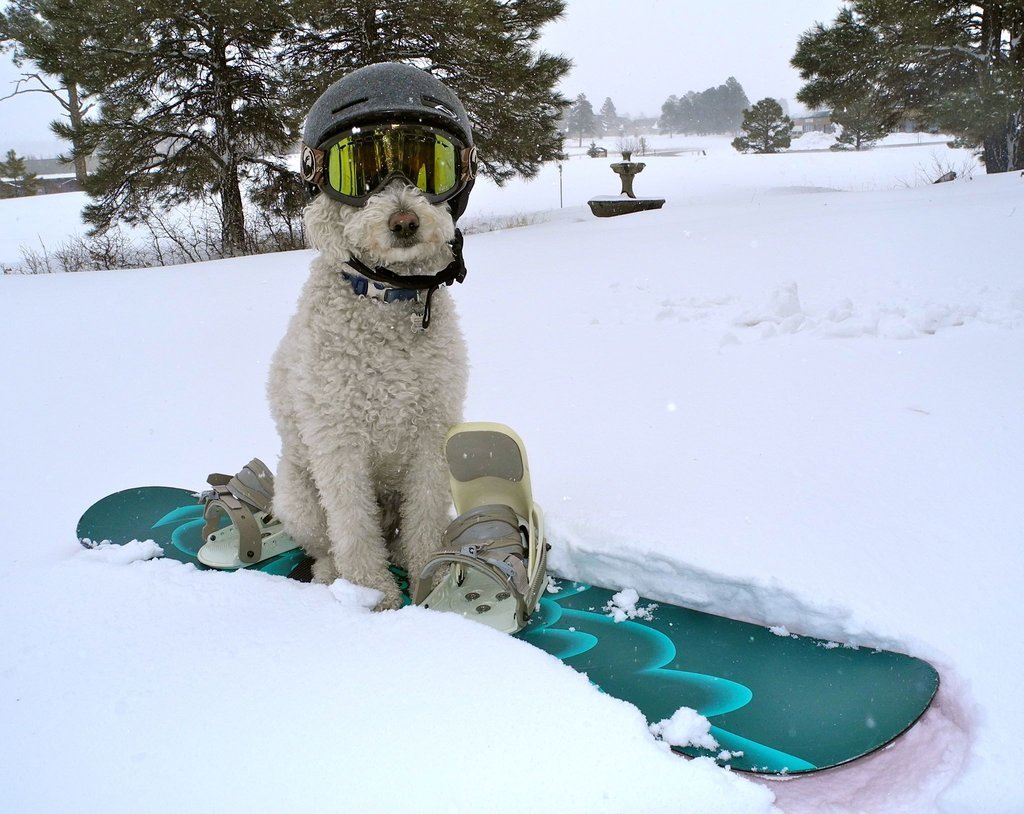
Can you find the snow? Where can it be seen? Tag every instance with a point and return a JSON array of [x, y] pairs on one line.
[[132, 551], [686, 727], [624, 605], [792, 396]]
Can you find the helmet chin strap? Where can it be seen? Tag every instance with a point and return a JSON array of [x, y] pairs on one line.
[[454, 272]]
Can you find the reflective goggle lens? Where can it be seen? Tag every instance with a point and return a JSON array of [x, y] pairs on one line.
[[358, 163]]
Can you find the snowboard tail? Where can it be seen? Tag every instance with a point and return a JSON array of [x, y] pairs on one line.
[[777, 704]]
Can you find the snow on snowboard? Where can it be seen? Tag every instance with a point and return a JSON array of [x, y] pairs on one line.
[[777, 704]]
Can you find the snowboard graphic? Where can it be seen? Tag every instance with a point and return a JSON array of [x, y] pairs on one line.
[[778, 704]]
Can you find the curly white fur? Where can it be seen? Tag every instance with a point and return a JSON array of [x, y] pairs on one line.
[[338, 231], [363, 397]]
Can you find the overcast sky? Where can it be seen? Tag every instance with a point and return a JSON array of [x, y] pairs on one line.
[[640, 52], [637, 52]]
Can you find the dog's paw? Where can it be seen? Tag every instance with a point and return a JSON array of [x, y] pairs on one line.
[[392, 600], [391, 594], [324, 571], [382, 584]]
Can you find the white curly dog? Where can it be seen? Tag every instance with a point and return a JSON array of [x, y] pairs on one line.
[[371, 373], [363, 395]]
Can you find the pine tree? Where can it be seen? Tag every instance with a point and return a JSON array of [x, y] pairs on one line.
[[19, 181], [190, 109], [767, 129], [714, 110], [687, 115], [610, 121], [198, 99], [668, 122], [581, 121], [733, 102], [51, 40], [955, 65], [842, 64], [862, 125], [703, 111], [484, 50]]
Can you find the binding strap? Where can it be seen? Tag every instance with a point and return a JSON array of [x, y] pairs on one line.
[[239, 497], [488, 539]]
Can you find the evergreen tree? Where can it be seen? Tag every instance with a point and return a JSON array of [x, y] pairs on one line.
[[956, 65], [702, 115], [19, 181], [668, 122], [581, 121], [198, 98], [687, 117], [485, 50], [862, 125], [714, 110], [841, 62], [733, 102], [610, 121], [51, 39], [190, 109], [767, 129]]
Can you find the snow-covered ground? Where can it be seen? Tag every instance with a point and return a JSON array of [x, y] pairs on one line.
[[793, 395]]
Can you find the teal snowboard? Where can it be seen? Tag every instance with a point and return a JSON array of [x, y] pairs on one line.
[[777, 704]]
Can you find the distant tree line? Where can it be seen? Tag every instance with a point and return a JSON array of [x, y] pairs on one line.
[[715, 110], [957, 67], [581, 121], [15, 179], [199, 100]]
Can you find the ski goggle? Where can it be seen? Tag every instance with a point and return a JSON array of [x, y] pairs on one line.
[[359, 162]]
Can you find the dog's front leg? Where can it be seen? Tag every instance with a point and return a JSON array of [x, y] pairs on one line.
[[425, 509], [349, 498], [297, 505]]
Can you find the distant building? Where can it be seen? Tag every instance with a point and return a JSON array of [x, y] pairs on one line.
[[647, 124], [54, 175], [914, 122], [819, 122]]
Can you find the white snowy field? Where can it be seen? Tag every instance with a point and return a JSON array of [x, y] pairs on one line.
[[793, 395]]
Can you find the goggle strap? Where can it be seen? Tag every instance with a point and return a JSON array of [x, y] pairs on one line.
[[468, 158], [312, 165]]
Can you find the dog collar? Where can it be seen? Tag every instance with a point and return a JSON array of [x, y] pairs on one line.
[[384, 279], [362, 287]]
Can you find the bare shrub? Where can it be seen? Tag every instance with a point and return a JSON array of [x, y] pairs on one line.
[[162, 238], [496, 223], [628, 144], [943, 169]]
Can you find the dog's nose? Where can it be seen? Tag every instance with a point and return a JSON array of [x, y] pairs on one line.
[[403, 224]]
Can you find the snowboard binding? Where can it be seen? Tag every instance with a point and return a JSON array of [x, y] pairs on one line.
[[495, 550], [253, 534]]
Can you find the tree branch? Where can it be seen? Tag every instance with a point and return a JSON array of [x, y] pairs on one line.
[[29, 77]]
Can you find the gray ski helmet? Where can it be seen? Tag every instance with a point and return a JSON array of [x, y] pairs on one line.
[[391, 92]]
